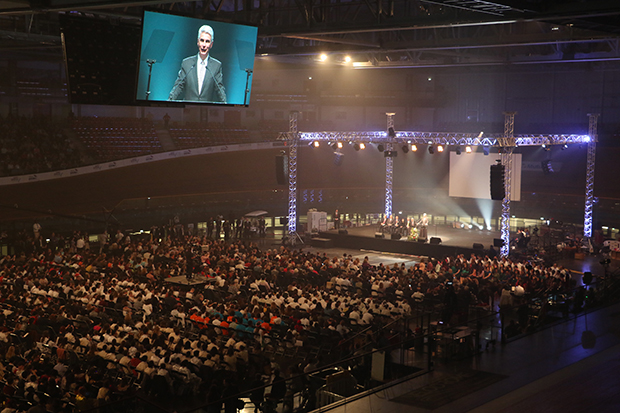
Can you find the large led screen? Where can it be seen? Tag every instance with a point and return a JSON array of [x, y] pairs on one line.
[[191, 60]]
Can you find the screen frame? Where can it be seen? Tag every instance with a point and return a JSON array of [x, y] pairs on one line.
[[237, 80]]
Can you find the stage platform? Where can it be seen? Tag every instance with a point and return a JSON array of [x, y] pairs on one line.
[[452, 241]]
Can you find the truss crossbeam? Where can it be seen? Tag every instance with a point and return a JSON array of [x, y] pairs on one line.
[[440, 138]]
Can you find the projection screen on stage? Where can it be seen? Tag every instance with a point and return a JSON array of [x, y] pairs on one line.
[[470, 175]]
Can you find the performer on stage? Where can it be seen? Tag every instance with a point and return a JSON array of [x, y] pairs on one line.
[[423, 227]]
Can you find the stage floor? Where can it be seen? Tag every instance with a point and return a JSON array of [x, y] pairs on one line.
[[456, 237]]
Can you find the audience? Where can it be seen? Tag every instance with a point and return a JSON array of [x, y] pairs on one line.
[[83, 325], [34, 145]]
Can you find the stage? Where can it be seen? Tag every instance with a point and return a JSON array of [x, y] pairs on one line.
[[446, 241]]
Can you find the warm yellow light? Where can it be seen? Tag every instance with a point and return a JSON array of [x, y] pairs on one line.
[[323, 57], [439, 148], [362, 145], [339, 145], [316, 144], [468, 149], [414, 147], [347, 59]]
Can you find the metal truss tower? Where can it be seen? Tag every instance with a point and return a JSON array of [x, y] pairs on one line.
[[506, 148], [592, 132], [389, 164], [292, 142]]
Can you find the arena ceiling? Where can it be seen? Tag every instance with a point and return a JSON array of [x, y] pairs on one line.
[[373, 33]]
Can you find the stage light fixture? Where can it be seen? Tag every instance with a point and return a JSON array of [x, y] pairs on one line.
[[431, 149], [565, 146], [405, 148], [380, 147], [339, 144], [356, 146], [347, 59], [362, 145], [414, 147], [391, 132], [485, 150], [468, 149], [334, 146], [439, 148], [323, 57], [458, 150], [316, 144]]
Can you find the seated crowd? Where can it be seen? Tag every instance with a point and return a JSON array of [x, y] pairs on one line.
[[84, 325], [30, 145], [34, 145]]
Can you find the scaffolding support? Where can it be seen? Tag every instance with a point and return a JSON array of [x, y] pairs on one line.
[[592, 132], [507, 146], [293, 140], [389, 164]]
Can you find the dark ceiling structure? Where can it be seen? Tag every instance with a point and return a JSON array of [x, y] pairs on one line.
[[363, 33]]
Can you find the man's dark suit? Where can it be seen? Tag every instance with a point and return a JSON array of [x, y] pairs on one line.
[[186, 85]]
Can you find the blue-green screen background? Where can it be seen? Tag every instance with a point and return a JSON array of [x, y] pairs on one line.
[[234, 45]]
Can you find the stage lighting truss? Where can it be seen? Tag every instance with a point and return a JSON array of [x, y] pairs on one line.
[[436, 138]]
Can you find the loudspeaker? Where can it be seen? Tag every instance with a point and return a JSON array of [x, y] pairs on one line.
[[379, 235], [338, 158], [498, 191], [478, 246], [435, 241], [281, 170], [546, 167], [395, 236], [498, 242], [343, 232]]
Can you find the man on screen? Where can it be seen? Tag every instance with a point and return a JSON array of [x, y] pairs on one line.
[[200, 78]]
